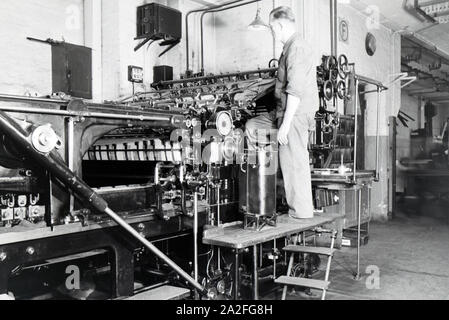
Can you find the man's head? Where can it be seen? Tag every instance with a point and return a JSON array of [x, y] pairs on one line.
[[282, 23]]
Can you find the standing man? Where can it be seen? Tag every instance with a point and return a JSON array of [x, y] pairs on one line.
[[297, 99]]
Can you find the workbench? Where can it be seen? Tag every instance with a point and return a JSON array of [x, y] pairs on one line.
[[332, 177], [354, 192], [235, 237]]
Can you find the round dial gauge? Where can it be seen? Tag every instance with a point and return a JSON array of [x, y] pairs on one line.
[[224, 123]]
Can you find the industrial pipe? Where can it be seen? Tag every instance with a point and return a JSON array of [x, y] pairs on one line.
[[334, 27], [222, 76], [214, 11], [142, 116], [53, 164], [88, 114], [14, 98], [187, 26], [421, 41]]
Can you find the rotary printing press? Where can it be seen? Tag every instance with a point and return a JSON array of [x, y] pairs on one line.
[[121, 190], [117, 188]]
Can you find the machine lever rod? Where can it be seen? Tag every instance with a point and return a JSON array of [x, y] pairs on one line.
[[54, 164], [377, 178], [155, 250]]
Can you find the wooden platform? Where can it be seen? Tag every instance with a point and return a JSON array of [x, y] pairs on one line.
[[236, 237]]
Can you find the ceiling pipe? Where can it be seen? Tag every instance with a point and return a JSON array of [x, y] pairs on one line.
[[215, 11], [422, 41], [187, 26], [334, 27]]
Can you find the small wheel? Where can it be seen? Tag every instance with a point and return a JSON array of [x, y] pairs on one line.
[[274, 63], [328, 90], [341, 90], [330, 63], [343, 66]]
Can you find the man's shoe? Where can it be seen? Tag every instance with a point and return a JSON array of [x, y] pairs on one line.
[[300, 218]]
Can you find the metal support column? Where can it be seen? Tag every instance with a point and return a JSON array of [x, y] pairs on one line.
[[70, 155], [358, 197], [255, 274], [195, 237], [356, 131], [237, 275], [123, 268], [377, 134]]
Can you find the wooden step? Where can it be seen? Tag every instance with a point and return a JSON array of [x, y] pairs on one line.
[[162, 294], [302, 282], [317, 250]]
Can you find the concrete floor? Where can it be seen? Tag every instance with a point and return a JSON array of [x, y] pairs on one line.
[[412, 254]]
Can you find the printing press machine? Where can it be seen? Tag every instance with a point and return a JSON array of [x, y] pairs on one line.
[[123, 190]]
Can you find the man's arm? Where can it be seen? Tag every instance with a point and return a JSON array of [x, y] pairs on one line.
[[293, 103], [299, 68]]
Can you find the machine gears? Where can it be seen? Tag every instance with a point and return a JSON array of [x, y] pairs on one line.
[[332, 79]]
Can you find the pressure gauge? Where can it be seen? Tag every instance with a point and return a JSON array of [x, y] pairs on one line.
[[135, 74], [222, 122]]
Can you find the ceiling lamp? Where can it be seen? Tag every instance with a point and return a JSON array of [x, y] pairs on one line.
[[258, 24]]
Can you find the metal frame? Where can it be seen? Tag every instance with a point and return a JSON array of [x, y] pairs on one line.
[[257, 222], [49, 248], [380, 88], [121, 244], [53, 163], [244, 248]]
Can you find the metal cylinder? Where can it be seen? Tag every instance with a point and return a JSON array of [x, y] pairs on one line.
[[261, 181]]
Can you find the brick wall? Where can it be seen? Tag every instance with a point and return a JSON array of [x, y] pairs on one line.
[[119, 30], [25, 65], [380, 67]]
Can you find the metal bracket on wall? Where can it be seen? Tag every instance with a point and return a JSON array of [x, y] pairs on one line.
[[403, 76]]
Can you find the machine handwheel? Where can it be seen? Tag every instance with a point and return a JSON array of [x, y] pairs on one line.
[[341, 90], [343, 66]]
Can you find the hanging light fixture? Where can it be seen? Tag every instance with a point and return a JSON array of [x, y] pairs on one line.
[[258, 24]]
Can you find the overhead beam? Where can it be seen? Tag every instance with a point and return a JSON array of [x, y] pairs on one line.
[[443, 99], [422, 91], [436, 75]]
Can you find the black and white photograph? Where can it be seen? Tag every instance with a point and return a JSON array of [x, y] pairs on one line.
[[231, 157]]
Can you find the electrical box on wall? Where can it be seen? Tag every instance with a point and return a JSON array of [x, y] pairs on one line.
[[72, 70], [162, 73], [158, 22]]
